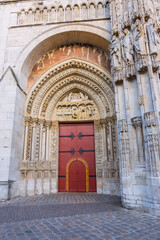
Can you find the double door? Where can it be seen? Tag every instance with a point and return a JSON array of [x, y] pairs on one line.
[[77, 171]]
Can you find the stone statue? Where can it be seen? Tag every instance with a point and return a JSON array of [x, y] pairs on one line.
[[127, 47], [153, 38], [139, 40], [115, 52]]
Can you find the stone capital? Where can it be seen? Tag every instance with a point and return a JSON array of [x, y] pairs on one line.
[[48, 124], [27, 120], [137, 122]]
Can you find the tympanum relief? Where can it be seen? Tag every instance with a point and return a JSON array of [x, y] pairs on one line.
[[76, 106]]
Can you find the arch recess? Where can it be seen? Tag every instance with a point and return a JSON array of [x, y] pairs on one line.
[[54, 37], [70, 74]]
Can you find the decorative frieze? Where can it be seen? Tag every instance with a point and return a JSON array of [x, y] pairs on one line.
[[62, 13], [76, 106]]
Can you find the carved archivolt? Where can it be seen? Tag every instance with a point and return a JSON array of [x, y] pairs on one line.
[[50, 83]]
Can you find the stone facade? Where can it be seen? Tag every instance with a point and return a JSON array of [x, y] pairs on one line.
[[81, 61]]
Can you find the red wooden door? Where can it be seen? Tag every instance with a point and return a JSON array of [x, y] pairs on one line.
[[77, 171], [77, 177]]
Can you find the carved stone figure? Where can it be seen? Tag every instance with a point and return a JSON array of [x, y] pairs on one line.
[[139, 40], [76, 105], [68, 13], [115, 52], [127, 48], [153, 38]]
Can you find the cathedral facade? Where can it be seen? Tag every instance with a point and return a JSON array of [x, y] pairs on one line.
[[80, 99]]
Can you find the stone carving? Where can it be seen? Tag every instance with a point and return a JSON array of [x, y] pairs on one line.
[[92, 12], [118, 76], [115, 52], [152, 139], [45, 15], [76, 12], [124, 146], [45, 81], [68, 13], [127, 47], [60, 14], [22, 17], [100, 10], [37, 16], [127, 54], [76, 105], [149, 9], [153, 38], [84, 14], [53, 14], [139, 45], [139, 40]]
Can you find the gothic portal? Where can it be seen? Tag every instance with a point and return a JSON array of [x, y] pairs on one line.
[[70, 124], [80, 99]]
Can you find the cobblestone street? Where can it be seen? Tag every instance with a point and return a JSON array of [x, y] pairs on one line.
[[74, 216]]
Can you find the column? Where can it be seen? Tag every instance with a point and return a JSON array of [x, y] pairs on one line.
[[41, 124], [48, 125], [27, 121], [137, 123], [33, 152]]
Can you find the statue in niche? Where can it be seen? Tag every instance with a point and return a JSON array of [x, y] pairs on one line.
[[100, 11], [74, 112], [115, 52], [139, 39], [52, 15], [30, 16], [60, 14], [68, 13], [149, 7], [45, 15], [127, 47], [22, 17], [153, 38], [84, 12], [76, 12], [92, 12], [37, 15], [82, 112], [90, 111]]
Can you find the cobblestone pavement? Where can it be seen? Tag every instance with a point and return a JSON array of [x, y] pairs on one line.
[[74, 216]]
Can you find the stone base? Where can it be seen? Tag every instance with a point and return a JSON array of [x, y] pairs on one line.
[[111, 187], [4, 190], [145, 205]]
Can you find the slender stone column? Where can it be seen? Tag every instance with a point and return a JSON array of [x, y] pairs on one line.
[[41, 123], [33, 139], [137, 123], [48, 125], [27, 121], [103, 124]]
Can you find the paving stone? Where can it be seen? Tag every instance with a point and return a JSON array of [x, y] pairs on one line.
[[99, 219]]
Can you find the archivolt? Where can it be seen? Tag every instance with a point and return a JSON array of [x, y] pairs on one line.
[[93, 79]]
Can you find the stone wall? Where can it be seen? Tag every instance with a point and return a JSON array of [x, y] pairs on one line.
[[135, 52]]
